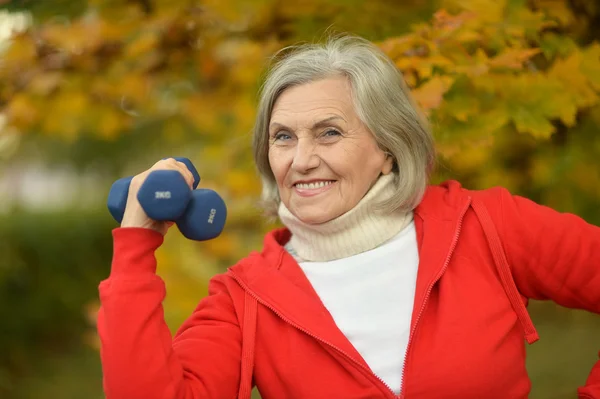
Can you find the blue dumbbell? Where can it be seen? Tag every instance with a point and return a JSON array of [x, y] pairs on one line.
[[165, 196]]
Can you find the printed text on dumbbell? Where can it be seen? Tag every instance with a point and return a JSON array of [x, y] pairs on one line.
[[162, 194], [211, 217]]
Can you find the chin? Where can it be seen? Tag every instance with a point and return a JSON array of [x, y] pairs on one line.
[[314, 216], [314, 220]]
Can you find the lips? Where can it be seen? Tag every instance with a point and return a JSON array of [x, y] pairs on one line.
[[312, 188], [313, 185]]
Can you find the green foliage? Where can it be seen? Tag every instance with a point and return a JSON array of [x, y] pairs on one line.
[[72, 373], [58, 10], [50, 266]]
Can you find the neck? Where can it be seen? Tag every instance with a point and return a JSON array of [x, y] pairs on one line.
[[360, 229]]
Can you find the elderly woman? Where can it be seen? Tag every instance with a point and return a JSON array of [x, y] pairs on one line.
[[379, 286]]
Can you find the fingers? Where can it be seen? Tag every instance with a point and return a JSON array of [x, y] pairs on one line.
[[189, 177], [173, 164], [134, 215], [137, 180]]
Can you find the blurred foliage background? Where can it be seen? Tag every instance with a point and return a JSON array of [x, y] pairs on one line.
[[94, 90]]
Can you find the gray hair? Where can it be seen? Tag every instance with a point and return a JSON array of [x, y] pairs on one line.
[[382, 101]]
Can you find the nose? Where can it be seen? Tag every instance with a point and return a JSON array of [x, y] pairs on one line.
[[305, 157]]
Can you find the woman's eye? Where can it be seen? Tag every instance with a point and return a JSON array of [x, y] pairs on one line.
[[282, 136], [331, 133]]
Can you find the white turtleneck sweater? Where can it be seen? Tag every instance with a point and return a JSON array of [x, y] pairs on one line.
[[370, 291]]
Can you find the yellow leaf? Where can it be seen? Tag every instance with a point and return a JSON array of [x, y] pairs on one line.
[[513, 58], [437, 61], [577, 86], [405, 63], [462, 106], [22, 112], [19, 52], [533, 123], [76, 37], [557, 9], [516, 31], [487, 11], [395, 47], [109, 30], [567, 112], [468, 35], [430, 94], [410, 77], [590, 64], [477, 67], [447, 23], [143, 44], [471, 156]]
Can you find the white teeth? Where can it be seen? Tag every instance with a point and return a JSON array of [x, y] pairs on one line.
[[311, 186]]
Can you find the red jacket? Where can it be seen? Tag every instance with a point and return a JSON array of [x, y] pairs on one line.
[[482, 255]]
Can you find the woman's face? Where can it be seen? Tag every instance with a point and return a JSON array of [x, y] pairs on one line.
[[323, 157]]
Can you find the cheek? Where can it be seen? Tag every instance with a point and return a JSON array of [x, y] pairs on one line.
[[357, 163], [277, 163], [348, 160]]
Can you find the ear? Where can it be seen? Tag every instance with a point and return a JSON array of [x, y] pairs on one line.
[[388, 164]]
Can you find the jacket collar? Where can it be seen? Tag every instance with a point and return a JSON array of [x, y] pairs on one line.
[[438, 219], [278, 282]]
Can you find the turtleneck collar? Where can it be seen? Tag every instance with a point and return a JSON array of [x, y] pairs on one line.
[[360, 229]]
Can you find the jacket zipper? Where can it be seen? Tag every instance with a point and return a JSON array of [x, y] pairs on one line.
[[346, 355], [430, 288], [413, 332]]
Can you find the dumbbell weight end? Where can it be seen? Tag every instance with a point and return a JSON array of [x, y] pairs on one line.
[[205, 216], [117, 198]]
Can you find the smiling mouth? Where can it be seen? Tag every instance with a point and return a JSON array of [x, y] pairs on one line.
[[315, 185]]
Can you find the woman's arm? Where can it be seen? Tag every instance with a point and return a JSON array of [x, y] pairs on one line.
[[553, 256], [139, 357]]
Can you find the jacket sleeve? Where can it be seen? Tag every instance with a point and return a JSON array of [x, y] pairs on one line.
[[139, 357], [554, 256]]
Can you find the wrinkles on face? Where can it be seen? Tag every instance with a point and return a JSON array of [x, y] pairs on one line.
[[316, 134], [301, 116]]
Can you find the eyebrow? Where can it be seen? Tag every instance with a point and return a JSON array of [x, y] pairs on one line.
[[319, 124]]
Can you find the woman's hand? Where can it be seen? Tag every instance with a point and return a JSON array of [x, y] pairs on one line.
[[134, 215]]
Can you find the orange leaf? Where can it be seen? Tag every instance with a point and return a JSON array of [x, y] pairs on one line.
[[513, 58], [430, 95]]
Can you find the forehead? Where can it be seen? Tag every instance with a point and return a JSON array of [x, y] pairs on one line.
[[322, 96]]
